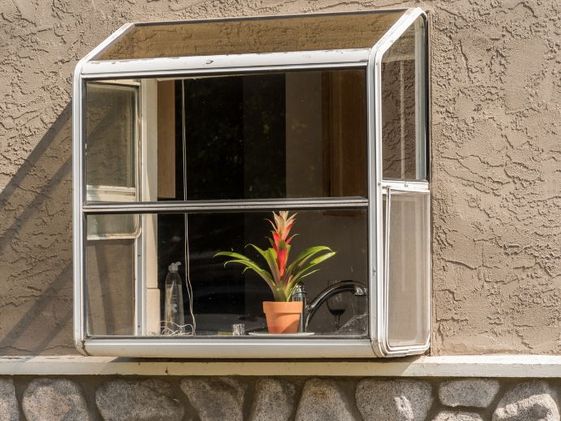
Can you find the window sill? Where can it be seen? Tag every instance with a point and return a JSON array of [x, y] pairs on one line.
[[500, 366]]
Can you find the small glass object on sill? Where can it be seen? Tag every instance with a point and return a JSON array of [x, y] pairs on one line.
[[337, 305], [238, 329]]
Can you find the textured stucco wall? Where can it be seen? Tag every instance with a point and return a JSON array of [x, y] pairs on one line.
[[496, 163]]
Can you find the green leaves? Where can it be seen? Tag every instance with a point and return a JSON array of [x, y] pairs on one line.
[[270, 256], [306, 255], [249, 264], [303, 266], [281, 283], [306, 261]]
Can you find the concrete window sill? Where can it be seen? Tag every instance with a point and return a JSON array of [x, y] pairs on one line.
[[507, 366]]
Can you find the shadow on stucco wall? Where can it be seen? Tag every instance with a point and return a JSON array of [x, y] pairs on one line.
[[36, 248], [496, 163]]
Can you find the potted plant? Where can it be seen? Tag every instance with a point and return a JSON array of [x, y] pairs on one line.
[[281, 276]]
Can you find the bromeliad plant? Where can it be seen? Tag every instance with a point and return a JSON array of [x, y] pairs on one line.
[[282, 277]]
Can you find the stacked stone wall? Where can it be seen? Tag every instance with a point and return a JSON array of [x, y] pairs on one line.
[[276, 398]]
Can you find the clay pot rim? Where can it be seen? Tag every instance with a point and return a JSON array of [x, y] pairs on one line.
[[283, 306]]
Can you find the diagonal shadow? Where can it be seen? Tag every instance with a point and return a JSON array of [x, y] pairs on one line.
[[32, 206], [18, 331], [35, 245], [54, 131], [57, 133]]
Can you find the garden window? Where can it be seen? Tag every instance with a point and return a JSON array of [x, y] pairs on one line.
[[223, 165]]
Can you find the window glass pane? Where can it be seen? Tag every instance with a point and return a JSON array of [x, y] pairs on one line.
[[110, 287], [110, 136], [258, 136], [299, 134], [112, 227], [242, 36], [225, 295], [403, 128], [408, 276]]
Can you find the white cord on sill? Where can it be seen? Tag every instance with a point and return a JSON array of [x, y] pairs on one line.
[[192, 327]]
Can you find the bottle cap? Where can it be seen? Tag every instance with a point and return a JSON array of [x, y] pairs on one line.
[[174, 267]]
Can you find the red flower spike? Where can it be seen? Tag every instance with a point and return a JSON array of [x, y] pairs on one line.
[[276, 240], [281, 242], [282, 258]]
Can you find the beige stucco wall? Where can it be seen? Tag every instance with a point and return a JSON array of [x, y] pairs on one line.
[[496, 163]]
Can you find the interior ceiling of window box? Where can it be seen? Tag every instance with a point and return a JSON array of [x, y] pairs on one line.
[[251, 35]]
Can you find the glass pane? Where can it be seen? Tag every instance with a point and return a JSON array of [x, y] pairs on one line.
[[112, 227], [240, 36], [110, 271], [403, 89], [222, 296], [258, 136], [408, 269], [110, 138]]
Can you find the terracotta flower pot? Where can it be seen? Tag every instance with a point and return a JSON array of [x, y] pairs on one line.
[[282, 316]]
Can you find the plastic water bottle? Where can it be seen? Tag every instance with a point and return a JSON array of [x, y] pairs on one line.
[[174, 322]]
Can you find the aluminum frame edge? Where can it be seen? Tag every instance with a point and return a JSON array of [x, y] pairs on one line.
[[225, 63], [230, 348], [379, 339], [77, 191]]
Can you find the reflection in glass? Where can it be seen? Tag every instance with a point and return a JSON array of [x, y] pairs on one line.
[[112, 227], [110, 135], [110, 268], [243, 36], [403, 139]]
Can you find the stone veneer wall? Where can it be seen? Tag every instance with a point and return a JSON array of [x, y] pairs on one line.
[[274, 398]]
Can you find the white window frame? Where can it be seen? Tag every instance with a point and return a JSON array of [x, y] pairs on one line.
[[120, 193], [380, 188], [199, 347]]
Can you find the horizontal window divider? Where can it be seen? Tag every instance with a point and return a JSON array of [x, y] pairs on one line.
[[225, 206], [397, 186], [239, 63]]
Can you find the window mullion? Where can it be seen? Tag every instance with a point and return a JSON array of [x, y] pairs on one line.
[[225, 206], [405, 186]]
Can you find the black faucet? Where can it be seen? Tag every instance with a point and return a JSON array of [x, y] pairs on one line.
[[299, 294]]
